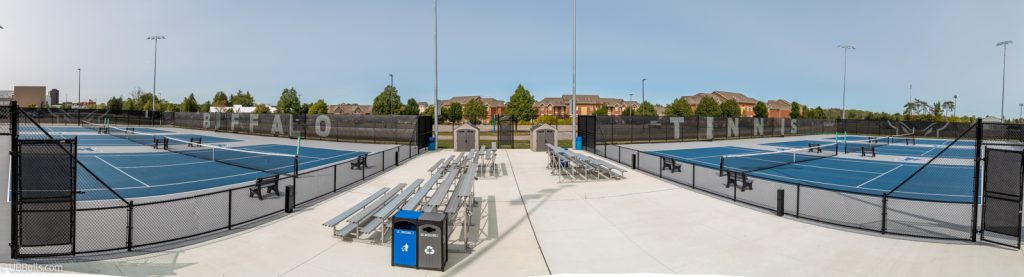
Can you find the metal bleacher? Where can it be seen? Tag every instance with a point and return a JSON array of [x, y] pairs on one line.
[[572, 166], [452, 186]]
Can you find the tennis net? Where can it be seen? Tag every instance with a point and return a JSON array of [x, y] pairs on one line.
[[268, 162], [93, 126], [150, 140], [744, 163], [873, 142]]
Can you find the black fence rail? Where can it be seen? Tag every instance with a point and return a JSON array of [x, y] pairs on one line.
[[381, 129], [119, 224], [649, 129], [58, 116], [900, 211]]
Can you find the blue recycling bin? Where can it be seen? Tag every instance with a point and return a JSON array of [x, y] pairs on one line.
[[404, 237], [432, 143], [579, 143]]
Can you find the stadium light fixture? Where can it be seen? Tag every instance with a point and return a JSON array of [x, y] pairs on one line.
[[1002, 103], [156, 40], [846, 48]]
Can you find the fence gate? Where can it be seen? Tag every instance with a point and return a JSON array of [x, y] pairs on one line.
[[43, 198], [586, 127], [1001, 208], [506, 133]]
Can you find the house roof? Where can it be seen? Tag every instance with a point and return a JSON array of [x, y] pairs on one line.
[[349, 109], [582, 99], [739, 97], [779, 105], [695, 99]]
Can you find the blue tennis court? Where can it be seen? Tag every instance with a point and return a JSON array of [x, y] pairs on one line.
[[76, 129], [924, 151], [935, 183], [106, 140], [158, 173], [919, 140]]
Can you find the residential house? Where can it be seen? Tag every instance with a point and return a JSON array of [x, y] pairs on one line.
[[586, 104], [494, 106], [779, 108], [350, 109], [422, 106], [746, 103]]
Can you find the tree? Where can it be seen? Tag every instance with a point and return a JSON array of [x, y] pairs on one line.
[[949, 106], [646, 109], [731, 109], [387, 102], [936, 110], [429, 111], [475, 110], [601, 110], [454, 114], [168, 107], [129, 105], [794, 110], [205, 107], [261, 109], [220, 99], [760, 110], [679, 107], [629, 111], [115, 103], [411, 107], [304, 108], [289, 102], [520, 105], [320, 107], [190, 104], [708, 107], [242, 98]]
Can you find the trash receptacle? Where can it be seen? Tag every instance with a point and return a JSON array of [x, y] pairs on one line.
[[432, 144], [433, 241], [404, 239], [579, 143]]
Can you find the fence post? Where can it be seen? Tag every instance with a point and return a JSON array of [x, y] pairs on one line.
[[230, 196], [979, 139], [885, 210], [15, 178], [131, 221]]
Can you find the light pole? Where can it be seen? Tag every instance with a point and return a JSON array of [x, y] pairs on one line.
[[846, 48], [156, 40], [1020, 115], [643, 94], [437, 108], [1002, 103], [575, 132], [392, 79], [954, 105], [79, 86]]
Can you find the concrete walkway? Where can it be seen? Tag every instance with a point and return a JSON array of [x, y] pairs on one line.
[[530, 224]]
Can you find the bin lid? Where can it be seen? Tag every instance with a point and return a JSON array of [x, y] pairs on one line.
[[433, 217], [407, 214]]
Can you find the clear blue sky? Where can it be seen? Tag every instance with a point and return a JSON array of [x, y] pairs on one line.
[[342, 51]]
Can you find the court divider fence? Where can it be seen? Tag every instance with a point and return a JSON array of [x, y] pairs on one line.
[[900, 211], [124, 225]]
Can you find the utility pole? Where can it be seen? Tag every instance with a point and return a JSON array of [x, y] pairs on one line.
[[846, 48], [643, 85], [79, 86], [437, 107], [156, 40], [575, 132], [954, 105], [1002, 104]]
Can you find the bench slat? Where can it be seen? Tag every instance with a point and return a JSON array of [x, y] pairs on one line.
[[337, 219], [418, 197], [398, 200], [372, 208]]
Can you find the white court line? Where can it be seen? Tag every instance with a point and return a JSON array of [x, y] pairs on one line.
[[209, 179], [880, 176], [822, 167], [929, 151], [122, 171], [852, 188]]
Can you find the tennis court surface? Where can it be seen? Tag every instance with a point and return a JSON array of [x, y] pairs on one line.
[[158, 173], [873, 177]]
